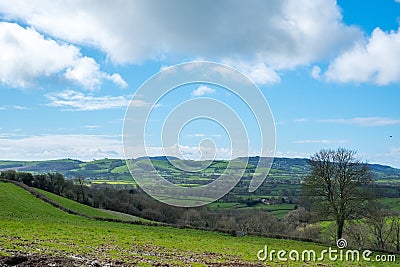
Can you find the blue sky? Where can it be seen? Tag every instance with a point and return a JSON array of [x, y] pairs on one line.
[[329, 70]]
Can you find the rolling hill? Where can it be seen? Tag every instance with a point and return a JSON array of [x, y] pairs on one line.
[[35, 233], [115, 169]]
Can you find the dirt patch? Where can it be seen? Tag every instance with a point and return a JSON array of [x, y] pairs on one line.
[[43, 260], [22, 261], [56, 261]]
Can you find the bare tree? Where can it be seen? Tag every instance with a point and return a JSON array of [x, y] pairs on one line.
[[56, 182], [395, 222], [80, 183], [338, 186], [380, 227]]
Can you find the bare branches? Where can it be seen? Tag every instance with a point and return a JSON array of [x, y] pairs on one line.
[[338, 185]]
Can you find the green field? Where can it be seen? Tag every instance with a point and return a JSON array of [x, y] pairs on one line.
[[30, 226], [392, 203], [277, 210], [115, 182], [88, 211]]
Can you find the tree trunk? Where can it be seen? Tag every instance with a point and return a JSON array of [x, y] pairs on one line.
[[340, 225], [398, 238]]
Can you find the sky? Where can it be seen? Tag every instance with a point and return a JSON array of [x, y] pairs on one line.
[[330, 71]]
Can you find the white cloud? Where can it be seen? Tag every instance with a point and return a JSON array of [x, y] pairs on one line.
[[44, 147], [204, 135], [203, 90], [376, 61], [86, 72], [301, 120], [292, 154], [27, 55], [139, 103], [258, 72], [21, 107], [388, 156], [276, 34], [366, 121], [76, 101], [17, 107], [92, 126], [117, 79], [197, 135], [321, 141], [315, 72]]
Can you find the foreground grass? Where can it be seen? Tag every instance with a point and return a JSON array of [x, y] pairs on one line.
[[29, 225]]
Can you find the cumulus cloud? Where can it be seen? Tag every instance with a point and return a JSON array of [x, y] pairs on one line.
[[203, 90], [27, 55], [76, 101], [376, 61], [86, 71], [280, 34]]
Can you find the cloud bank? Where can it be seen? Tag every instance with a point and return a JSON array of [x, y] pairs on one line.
[[267, 35], [44, 147]]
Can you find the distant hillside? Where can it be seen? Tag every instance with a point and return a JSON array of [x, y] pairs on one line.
[[116, 169]]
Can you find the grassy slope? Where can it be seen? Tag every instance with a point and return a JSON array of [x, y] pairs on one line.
[[278, 210], [86, 210], [30, 225], [392, 203]]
